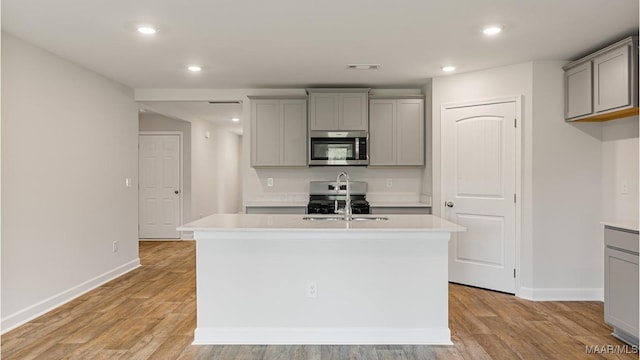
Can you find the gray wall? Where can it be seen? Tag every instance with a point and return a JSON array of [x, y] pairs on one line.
[[69, 141]]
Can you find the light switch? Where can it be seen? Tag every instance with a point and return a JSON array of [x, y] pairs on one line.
[[127, 182], [270, 182]]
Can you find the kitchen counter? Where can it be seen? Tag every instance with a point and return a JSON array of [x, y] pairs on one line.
[[289, 223], [279, 279], [298, 206], [398, 204], [628, 225], [278, 203]]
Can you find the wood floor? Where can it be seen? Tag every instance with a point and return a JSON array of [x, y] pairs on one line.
[[150, 313]]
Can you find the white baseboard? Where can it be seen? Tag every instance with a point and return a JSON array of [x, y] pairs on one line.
[[186, 235], [560, 294], [14, 320], [312, 335]]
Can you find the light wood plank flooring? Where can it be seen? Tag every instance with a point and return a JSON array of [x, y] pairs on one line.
[[150, 313]]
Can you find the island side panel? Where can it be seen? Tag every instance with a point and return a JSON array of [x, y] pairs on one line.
[[372, 288]]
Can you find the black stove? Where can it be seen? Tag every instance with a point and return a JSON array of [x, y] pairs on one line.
[[324, 197]]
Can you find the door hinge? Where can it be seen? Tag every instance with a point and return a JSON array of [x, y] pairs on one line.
[[514, 197], [515, 123], [514, 273]]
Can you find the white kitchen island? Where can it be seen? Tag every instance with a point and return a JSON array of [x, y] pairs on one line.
[[279, 279]]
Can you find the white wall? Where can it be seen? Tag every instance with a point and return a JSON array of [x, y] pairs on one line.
[[69, 140], [566, 203], [619, 167], [560, 249], [215, 177], [229, 172], [212, 182]]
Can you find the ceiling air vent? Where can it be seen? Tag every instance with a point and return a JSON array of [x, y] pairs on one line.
[[363, 66]]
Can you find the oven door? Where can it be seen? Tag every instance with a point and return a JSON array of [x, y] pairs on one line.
[[338, 148]]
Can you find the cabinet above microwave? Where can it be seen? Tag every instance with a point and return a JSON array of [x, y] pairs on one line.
[[341, 109]]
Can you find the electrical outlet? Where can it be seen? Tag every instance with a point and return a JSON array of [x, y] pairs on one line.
[[115, 246], [312, 289], [389, 183], [625, 188], [270, 182]]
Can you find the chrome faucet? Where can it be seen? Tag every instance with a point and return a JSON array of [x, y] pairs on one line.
[[347, 203]]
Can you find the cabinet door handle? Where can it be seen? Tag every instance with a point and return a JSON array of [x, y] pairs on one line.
[[449, 204]]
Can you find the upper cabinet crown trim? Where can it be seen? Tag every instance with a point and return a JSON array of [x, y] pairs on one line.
[[392, 97], [338, 90], [278, 97], [630, 40]]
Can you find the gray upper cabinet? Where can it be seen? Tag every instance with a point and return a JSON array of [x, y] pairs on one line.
[[338, 109], [396, 132], [604, 85], [611, 85], [579, 101], [278, 132]]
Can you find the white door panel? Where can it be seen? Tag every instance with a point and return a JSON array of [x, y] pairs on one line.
[[160, 190], [479, 184], [479, 244], [479, 141]]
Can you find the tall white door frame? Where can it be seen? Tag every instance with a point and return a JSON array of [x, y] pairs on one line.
[[518, 99], [181, 167]]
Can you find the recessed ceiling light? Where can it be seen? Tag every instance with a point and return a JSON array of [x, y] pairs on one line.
[[363, 66], [492, 30], [448, 68], [235, 119], [194, 68], [147, 30]]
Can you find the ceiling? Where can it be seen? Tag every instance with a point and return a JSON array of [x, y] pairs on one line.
[[297, 44], [221, 114]]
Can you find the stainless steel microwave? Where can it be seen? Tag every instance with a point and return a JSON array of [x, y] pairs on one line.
[[338, 148]]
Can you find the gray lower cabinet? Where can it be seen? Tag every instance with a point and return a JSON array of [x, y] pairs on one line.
[[276, 210], [603, 85], [400, 210], [621, 283], [278, 132], [396, 132]]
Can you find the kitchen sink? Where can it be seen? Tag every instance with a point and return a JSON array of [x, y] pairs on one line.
[[369, 218], [341, 218]]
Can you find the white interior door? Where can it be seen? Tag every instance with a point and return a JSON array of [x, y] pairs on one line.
[[479, 188], [160, 190]]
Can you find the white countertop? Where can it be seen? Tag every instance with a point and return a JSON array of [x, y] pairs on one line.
[[278, 203], [303, 203], [398, 204], [263, 222], [629, 225]]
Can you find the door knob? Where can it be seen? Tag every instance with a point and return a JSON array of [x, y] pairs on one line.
[[449, 204], [176, 192]]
